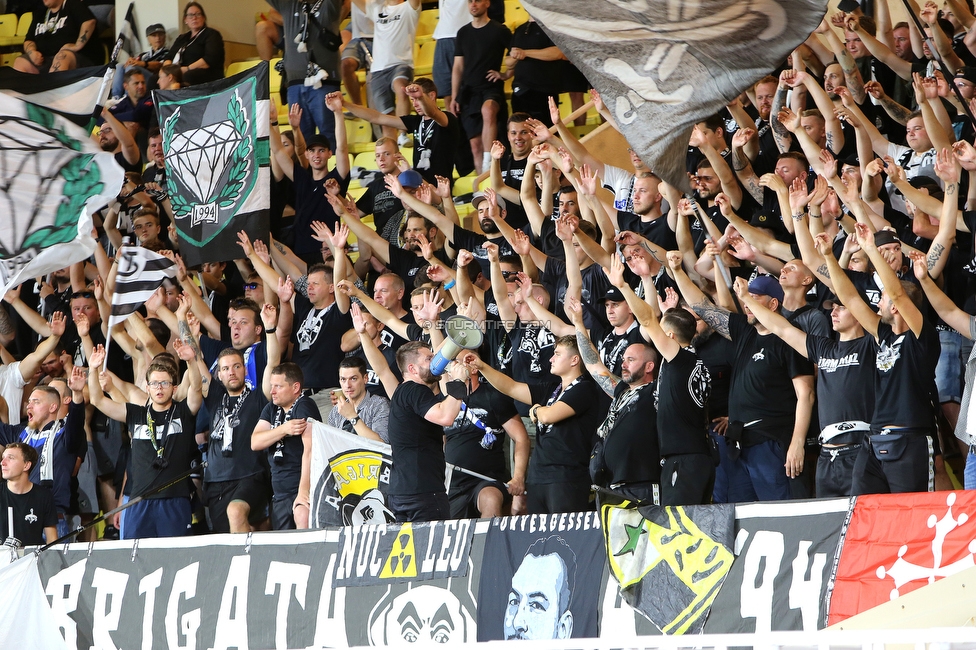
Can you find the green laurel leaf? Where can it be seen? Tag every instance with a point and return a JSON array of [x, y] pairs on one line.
[[82, 180], [241, 160], [181, 207]]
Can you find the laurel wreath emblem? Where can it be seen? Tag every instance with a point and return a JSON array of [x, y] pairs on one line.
[[240, 162]]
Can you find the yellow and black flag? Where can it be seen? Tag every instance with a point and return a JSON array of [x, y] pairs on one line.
[[670, 561]]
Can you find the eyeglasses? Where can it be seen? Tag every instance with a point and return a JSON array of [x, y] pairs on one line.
[[251, 286], [160, 384]]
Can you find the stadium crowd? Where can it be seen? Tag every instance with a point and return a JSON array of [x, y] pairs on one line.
[[797, 325]]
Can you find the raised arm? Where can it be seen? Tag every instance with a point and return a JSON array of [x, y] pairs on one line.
[[107, 405], [333, 102], [775, 323], [845, 289], [502, 382], [717, 318], [943, 305], [605, 379], [32, 362]]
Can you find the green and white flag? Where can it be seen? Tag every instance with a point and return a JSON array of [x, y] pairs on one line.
[[215, 139], [52, 178]]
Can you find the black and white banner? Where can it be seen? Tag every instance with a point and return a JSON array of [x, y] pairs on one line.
[[663, 66], [786, 556], [140, 272]]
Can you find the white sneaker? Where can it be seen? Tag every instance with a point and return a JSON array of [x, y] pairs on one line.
[[405, 140]]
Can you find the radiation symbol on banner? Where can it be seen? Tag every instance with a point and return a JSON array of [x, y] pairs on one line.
[[402, 562]]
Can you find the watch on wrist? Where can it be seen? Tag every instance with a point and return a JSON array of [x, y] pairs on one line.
[[354, 420]]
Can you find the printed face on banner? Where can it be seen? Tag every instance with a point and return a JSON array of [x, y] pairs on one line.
[[424, 614], [545, 577], [209, 145], [350, 493], [538, 604]]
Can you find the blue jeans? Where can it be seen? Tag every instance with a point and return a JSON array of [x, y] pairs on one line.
[[314, 112], [969, 476], [168, 517], [443, 66]]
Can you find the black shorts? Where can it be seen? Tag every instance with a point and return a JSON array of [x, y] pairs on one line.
[[252, 490], [472, 99], [548, 498], [107, 444], [432, 506], [687, 479], [282, 517], [464, 495], [835, 470]]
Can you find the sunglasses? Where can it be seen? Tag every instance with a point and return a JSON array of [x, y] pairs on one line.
[[251, 286], [510, 274], [82, 294]]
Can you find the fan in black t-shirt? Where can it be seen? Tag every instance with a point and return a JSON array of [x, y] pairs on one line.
[[416, 432], [30, 507]]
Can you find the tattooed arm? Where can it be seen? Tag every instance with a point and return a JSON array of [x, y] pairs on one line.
[[937, 256], [743, 169], [782, 137], [601, 375], [716, 317]]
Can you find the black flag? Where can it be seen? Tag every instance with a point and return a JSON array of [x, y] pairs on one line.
[[663, 65]]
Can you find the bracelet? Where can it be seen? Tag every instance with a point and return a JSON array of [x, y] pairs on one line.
[[450, 285], [271, 330], [798, 217]]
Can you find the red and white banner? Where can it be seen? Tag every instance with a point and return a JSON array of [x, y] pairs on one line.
[[897, 543]]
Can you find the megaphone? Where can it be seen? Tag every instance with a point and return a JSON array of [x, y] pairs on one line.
[[462, 333]]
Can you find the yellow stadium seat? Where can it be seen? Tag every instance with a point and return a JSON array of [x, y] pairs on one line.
[[515, 13], [428, 21], [8, 30], [7, 60], [464, 185], [359, 134], [332, 162], [240, 66], [365, 159], [423, 58]]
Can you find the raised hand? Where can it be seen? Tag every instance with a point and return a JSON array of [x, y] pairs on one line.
[[269, 316], [773, 182], [332, 187], [671, 299], [741, 288], [321, 232], [520, 243], [616, 272], [286, 289], [340, 237], [184, 307], [574, 310], [358, 322], [295, 116], [393, 184], [443, 189], [82, 325], [874, 89], [97, 357], [799, 196], [554, 113], [243, 240], [426, 247], [742, 137], [465, 257], [674, 260], [820, 190], [431, 310], [492, 251], [823, 244], [77, 379], [588, 181], [58, 323], [789, 119], [525, 285], [919, 266], [437, 273], [497, 150], [262, 252], [947, 167], [965, 153], [333, 101]]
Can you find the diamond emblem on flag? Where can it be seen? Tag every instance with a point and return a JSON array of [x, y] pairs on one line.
[[201, 155]]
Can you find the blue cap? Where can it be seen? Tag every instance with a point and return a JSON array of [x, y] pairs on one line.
[[767, 285], [411, 179]]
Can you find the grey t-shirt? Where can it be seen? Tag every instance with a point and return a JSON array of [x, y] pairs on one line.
[[326, 12]]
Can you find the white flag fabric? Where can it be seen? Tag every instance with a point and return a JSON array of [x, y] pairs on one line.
[[663, 65], [140, 273], [74, 94], [127, 44], [52, 178], [27, 622]]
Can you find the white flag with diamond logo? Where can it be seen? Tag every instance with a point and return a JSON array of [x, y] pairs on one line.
[[215, 140], [52, 178]]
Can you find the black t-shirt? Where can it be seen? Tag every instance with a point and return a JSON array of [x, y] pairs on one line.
[[524, 354], [33, 511], [562, 450], [512, 173], [285, 456], [698, 232], [657, 231], [682, 392], [236, 460], [611, 346], [51, 30], [483, 49], [630, 446], [379, 202], [434, 145], [845, 378], [905, 388], [475, 440], [208, 45], [311, 205], [405, 264], [174, 431], [373, 384], [534, 75], [316, 340], [762, 377], [595, 286], [418, 445], [718, 354], [474, 242]]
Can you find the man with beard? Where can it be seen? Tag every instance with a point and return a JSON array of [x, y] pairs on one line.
[[55, 440], [416, 432], [542, 592], [116, 139], [406, 261], [630, 450], [771, 397], [763, 157], [388, 292], [234, 481]]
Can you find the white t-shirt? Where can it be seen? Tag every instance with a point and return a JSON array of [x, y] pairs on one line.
[[453, 16], [621, 183], [12, 389], [918, 164], [394, 31], [360, 24]]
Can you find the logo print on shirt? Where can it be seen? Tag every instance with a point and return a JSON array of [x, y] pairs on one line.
[[309, 331], [888, 355], [30, 517], [699, 384], [759, 356]]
